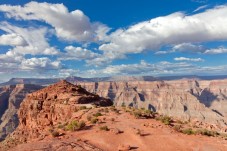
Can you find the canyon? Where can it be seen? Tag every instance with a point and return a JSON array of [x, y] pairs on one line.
[[199, 102], [190, 100], [10, 100], [64, 116]]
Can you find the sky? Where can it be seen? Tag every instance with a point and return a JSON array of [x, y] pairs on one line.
[[98, 38]]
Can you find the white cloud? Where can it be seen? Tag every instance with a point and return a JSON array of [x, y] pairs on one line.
[[176, 28], [105, 58], [72, 26], [219, 50], [36, 42], [77, 53], [141, 69], [160, 68], [68, 72], [200, 8], [162, 52], [12, 40], [11, 57], [189, 59], [189, 47], [40, 64]]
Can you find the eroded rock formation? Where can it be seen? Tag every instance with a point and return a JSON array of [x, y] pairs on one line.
[[10, 100], [185, 99], [47, 107]]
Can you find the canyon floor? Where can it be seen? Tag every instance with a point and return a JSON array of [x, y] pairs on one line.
[[116, 129]]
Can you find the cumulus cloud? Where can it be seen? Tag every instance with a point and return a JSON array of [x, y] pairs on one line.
[[40, 64], [35, 41], [11, 57], [192, 48], [77, 53], [176, 28], [189, 47], [71, 26], [189, 59], [219, 50], [12, 40], [105, 58]]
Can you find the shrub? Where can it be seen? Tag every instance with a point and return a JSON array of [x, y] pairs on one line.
[[104, 128], [207, 132], [94, 120], [83, 107], [188, 131], [177, 128], [97, 114], [123, 104], [142, 113], [137, 114], [55, 134], [75, 125], [166, 120], [89, 118], [60, 126]]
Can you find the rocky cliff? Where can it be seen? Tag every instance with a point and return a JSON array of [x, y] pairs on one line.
[[185, 99], [10, 100], [50, 106]]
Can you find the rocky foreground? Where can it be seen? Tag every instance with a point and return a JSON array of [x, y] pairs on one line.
[[64, 116], [118, 129]]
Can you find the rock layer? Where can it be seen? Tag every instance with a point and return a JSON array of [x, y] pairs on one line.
[[204, 101], [10, 100]]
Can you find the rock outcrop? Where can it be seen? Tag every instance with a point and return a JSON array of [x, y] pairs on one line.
[[204, 101], [47, 107], [10, 100]]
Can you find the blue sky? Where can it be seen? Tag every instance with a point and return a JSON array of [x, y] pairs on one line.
[[109, 38]]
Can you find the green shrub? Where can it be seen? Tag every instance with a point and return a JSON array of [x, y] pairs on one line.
[[166, 120], [104, 128], [137, 114], [188, 131], [75, 125], [83, 107], [60, 126], [94, 120], [123, 104], [142, 113], [207, 132], [97, 114]]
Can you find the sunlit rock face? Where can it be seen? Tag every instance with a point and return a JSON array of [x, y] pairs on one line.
[[186, 99]]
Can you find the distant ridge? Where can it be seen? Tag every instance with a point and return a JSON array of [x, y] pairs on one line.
[[74, 79]]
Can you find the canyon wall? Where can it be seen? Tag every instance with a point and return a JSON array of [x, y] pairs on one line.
[[10, 100], [196, 100]]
